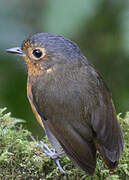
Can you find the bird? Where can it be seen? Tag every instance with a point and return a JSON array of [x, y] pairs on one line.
[[71, 101]]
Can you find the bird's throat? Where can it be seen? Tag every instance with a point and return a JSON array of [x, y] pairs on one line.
[[35, 69]]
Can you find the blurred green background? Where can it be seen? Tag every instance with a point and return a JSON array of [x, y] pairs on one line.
[[99, 27]]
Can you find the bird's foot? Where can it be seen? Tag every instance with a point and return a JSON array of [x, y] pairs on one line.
[[52, 154]]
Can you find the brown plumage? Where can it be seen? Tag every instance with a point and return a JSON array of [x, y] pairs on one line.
[[71, 100]]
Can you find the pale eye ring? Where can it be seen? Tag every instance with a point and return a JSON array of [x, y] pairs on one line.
[[37, 53]]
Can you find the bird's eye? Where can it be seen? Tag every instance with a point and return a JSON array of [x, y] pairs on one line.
[[37, 53]]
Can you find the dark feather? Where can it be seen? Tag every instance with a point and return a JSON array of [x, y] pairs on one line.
[[80, 114]]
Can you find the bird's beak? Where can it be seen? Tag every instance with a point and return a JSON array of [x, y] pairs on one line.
[[16, 51]]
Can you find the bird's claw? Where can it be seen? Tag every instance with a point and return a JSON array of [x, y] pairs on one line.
[[47, 150], [52, 154]]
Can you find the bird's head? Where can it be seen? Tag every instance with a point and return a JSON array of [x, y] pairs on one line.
[[43, 51]]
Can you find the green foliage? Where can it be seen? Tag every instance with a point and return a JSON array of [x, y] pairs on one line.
[[21, 157]]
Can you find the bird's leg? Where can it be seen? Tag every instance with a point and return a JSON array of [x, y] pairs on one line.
[[59, 166], [52, 154]]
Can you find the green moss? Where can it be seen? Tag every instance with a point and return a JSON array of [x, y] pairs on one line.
[[21, 157]]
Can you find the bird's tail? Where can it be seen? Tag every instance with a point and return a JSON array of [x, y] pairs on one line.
[[111, 158]]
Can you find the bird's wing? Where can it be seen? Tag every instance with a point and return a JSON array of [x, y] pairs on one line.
[[79, 112], [76, 141], [109, 138], [63, 121], [104, 123]]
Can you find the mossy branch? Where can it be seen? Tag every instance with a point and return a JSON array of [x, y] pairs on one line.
[[21, 157]]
